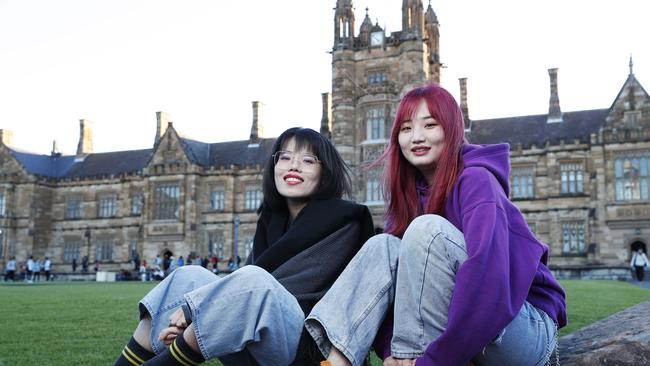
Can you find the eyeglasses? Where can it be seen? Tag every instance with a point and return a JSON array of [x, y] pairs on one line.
[[285, 159]]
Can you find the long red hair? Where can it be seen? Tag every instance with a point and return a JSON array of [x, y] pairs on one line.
[[400, 176]]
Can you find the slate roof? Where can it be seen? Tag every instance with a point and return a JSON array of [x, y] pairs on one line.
[[528, 130], [524, 130], [221, 154], [225, 154], [110, 163], [43, 165]]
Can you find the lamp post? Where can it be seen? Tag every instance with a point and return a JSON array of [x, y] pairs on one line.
[[87, 236], [2, 245], [237, 221]]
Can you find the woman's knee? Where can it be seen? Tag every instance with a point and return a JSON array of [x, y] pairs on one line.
[[254, 275], [187, 274], [427, 224], [431, 231], [381, 245]]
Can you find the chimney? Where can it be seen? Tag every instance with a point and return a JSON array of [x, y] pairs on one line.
[[554, 112], [257, 129], [162, 123], [6, 137], [85, 145], [463, 104], [55, 149], [326, 120]]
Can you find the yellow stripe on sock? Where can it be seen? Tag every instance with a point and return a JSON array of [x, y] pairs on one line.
[[128, 350], [128, 358], [179, 356], [184, 356]]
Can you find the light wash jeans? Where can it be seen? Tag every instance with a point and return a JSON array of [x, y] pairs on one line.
[[350, 314], [245, 314]]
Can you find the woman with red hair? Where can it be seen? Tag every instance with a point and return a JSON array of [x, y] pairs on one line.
[[458, 277]]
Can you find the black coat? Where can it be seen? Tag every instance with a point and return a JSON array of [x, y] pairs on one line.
[[308, 255]]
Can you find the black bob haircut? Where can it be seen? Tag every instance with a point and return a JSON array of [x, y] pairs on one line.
[[335, 174]]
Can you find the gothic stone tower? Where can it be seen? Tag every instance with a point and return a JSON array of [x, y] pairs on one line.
[[370, 73]]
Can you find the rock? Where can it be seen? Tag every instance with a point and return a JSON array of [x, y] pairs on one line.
[[621, 339]]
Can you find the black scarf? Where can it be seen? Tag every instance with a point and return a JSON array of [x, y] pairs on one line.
[[274, 244]]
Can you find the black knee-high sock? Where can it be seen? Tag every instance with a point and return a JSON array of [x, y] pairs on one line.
[[133, 354], [178, 353]]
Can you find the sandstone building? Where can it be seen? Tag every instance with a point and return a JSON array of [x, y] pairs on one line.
[[582, 178]]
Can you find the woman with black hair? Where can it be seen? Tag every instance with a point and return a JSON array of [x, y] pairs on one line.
[[306, 234]]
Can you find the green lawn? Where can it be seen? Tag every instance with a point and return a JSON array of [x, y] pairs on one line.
[[88, 323]]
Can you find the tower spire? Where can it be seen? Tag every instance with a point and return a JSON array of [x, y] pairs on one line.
[[412, 19], [343, 24], [631, 65]]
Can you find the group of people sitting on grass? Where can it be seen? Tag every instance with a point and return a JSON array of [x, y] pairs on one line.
[[456, 278]]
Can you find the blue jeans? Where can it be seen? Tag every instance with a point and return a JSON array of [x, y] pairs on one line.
[[245, 314], [350, 314]]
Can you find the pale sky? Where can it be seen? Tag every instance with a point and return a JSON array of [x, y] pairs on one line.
[[117, 62]]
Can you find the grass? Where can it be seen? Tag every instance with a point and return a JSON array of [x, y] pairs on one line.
[[88, 323]]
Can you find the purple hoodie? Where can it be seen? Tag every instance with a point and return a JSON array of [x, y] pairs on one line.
[[505, 267]]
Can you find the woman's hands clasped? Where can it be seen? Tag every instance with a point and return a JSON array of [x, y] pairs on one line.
[[177, 325]]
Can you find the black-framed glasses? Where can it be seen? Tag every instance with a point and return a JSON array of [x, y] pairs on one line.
[[285, 160]]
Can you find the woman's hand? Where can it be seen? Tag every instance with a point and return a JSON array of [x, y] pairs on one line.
[[168, 335], [177, 325], [391, 361], [178, 319]]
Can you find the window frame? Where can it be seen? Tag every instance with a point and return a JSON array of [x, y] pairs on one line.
[[573, 231], [75, 212], [375, 119], [71, 249], [137, 201], [107, 204], [220, 190], [522, 189], [252, 196], [169, 208], [632, 187], [216, 244], [572, 178], [104, 249]]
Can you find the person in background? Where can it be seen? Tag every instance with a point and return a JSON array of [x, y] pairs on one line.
[[47, 267], [84, 264], [30, 269], [458, 277], [638, 263], [10, 270], [36, 270], [143, 272]]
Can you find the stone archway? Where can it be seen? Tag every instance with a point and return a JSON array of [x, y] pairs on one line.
[[638, 244]]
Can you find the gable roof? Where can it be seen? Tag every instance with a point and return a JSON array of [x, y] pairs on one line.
[[529, 130]]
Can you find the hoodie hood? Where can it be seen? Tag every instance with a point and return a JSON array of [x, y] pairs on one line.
[[494, 158]]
